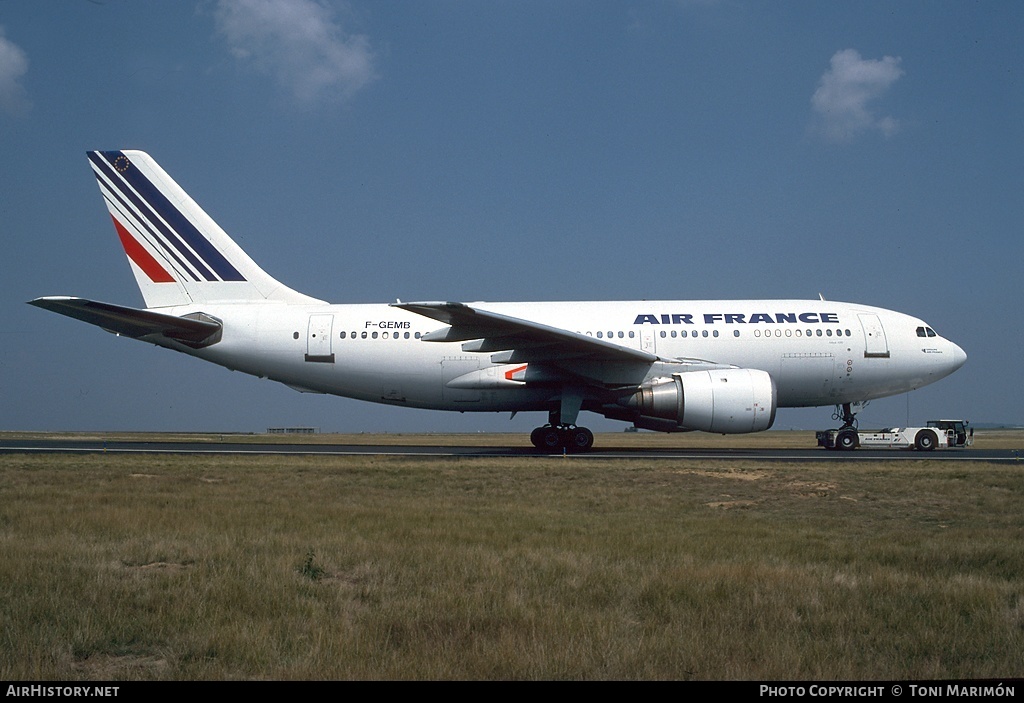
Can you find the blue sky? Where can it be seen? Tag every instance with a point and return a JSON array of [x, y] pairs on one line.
[[367, 151]]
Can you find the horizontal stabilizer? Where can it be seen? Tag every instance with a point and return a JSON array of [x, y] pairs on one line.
[[196, 331]]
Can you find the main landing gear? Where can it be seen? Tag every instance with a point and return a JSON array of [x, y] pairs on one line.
[[573, 438], [559, 433]]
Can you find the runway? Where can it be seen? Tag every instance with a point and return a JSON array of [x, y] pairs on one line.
[[229, 447]]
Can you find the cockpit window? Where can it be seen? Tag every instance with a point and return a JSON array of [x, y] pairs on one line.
[[921, 332], [926, 332], [930, 331]]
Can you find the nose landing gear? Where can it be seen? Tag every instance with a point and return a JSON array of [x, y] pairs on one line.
[[846, 437], [847, 415]]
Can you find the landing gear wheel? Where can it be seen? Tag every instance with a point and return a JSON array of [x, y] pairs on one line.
[[536, 438], [548, 438], [925, 441], [847, 440], [579, 439]]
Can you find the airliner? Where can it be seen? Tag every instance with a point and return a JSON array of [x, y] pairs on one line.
[[720, 366]]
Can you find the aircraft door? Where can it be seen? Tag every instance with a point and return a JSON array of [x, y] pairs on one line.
[[875, 343], [318, 339], [647, 340]]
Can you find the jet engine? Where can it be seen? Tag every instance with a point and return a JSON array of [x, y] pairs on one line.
[[724, 401]]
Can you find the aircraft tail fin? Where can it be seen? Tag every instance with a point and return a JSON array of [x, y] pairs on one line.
[[178, 254]]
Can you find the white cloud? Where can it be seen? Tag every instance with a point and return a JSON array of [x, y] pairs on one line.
[[13, 65], [842, 99], [299, 44]]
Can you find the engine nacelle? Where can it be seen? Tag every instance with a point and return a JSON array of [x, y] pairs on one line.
[[724, 401]]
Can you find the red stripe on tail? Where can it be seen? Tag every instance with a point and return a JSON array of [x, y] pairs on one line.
[[142, 258]]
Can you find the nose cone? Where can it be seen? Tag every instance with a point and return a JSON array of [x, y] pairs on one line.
[[959, 357]]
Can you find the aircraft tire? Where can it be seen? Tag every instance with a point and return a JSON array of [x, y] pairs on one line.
[[579, 439], [549, 438], [535, 437], [847, 440], [925, 441]]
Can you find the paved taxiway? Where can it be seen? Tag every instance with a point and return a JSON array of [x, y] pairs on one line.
[[499, 450]]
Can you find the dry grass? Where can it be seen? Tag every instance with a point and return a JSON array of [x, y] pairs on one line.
[[193, 567]]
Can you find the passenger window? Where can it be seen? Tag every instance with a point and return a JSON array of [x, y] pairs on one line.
[[735, 333], [341, 335]]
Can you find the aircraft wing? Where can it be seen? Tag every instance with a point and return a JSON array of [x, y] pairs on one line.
[[516, 340], [522, 340], [196, 331]]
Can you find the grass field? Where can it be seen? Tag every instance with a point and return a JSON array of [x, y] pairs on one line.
[[194, 567]]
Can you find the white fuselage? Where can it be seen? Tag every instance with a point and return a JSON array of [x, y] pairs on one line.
[[817, 352], [672, 366]]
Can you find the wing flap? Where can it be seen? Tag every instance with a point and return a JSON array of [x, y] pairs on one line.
[[196, 331]]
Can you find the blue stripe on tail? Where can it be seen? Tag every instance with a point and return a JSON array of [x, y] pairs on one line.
[[211, 263]]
